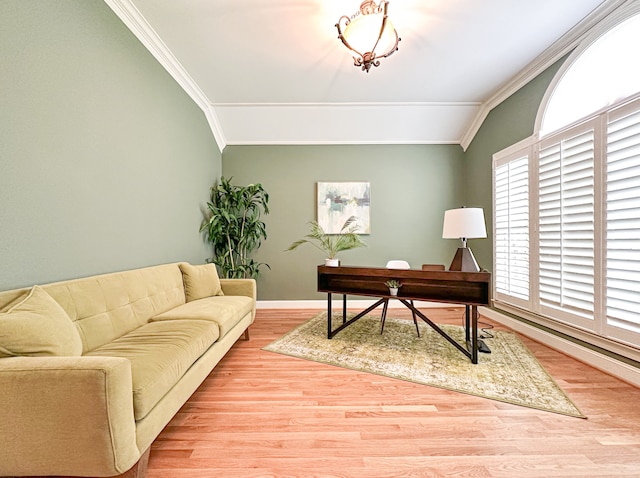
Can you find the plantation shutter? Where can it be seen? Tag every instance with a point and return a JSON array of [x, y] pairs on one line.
[[512, 228], [566, 224], [623, 222]]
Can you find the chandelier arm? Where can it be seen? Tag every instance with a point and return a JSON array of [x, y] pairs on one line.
[[343, 39], [382, 25], [393, 49]]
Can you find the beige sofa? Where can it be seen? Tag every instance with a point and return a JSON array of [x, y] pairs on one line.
[[92, 369]]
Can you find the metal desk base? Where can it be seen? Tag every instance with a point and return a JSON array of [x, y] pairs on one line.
[[470, 349]]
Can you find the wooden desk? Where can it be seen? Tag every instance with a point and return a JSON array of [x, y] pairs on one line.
[[470, 289]]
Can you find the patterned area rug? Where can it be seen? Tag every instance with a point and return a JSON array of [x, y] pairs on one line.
[[510, 373]]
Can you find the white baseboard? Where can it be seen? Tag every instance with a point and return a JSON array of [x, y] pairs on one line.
[[337, 304], [610, 365]]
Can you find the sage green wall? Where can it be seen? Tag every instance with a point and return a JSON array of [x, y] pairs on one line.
[[511, 121], [105, 162], [411, 186]]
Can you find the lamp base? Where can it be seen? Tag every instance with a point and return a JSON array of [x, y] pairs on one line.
[[464, 261]]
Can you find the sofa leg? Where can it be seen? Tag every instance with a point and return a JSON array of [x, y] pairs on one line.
[[139, 470], [246, 333]]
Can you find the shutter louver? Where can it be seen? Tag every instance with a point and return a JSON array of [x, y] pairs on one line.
[[566, 224], [623, 222], [512, 228]]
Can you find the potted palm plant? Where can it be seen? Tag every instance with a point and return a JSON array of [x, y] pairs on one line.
[[332, 244], [234, 228]]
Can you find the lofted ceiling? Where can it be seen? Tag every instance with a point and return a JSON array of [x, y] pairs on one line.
[[274, 71]]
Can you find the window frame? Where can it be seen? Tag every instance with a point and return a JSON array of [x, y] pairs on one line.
[[559, 313], [610, 329], [611, 22], [597, 330], [515, 152]]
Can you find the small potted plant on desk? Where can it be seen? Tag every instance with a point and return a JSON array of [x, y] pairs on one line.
[[332, 244], [393, 286]]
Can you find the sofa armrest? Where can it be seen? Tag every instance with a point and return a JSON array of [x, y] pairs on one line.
[[66, 416], [245, 287], [239, 287]]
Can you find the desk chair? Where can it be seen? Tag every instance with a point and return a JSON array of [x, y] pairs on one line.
[[397, 264]]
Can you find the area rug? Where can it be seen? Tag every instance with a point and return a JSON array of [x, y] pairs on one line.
[[510, 373]]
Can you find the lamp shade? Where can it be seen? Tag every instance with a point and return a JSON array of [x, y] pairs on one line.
[[466, 222]]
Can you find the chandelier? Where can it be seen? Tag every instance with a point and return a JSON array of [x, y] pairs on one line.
[[369, 34]]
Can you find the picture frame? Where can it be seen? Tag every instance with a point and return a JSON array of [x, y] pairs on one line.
[[339, 200]]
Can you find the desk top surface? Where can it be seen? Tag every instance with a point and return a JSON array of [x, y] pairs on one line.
[[439, 286], [418, 274]]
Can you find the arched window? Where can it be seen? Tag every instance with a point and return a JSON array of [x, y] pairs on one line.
[[567, 200], [604, 73]]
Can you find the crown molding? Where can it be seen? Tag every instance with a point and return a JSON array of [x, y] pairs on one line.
[[560, 48], [137, 24], [345, 123], [368, 104]]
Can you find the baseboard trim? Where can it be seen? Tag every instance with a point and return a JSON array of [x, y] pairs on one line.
[[618, 369]]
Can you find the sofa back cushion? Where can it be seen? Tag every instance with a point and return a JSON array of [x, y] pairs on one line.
[[200, 281], [105, 307], [37, 326]]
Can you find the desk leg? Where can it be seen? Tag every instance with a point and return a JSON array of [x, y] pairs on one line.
[[471, 331], [331, 333], [344, 308], [467, 324], [474, 334], [465, 350], [384, 314], [329, 315], [474, 344], [415, 321]]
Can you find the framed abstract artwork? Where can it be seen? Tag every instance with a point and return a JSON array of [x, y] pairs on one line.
[[337, 201]]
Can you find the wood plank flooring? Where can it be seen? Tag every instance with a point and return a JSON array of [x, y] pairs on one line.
[[262, 414]]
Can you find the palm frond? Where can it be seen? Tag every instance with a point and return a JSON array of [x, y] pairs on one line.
[[332, 244]]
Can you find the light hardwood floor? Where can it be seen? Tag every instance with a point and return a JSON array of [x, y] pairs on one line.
[[262, 414]]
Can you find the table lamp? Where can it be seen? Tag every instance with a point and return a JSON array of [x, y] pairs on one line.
[[464, 223]]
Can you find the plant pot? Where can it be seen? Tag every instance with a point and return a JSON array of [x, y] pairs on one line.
[[393, 291], [332, 262]]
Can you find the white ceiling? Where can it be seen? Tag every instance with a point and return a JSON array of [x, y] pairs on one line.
[[274, 71]]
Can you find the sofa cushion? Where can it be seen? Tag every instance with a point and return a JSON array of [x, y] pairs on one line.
[[200, 281], [108, 306], [38, 326], [226, 311], [160, 353]]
